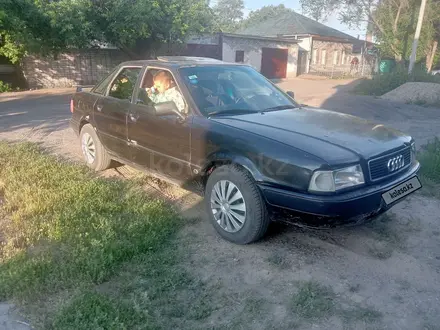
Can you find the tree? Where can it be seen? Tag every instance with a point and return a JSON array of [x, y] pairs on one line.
[[135, 26], [262, 14], [392, 21], [22, 26], [228, 15]]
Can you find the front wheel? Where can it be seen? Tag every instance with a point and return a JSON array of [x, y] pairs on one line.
[[94, 153], [235, 206]]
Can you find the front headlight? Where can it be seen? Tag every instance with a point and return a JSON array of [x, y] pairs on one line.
[[327, 181]]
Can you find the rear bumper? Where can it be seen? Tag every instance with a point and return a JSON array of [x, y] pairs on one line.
[[364, 202]]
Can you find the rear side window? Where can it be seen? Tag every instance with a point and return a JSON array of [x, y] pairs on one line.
[[102, 86], [123, 85]]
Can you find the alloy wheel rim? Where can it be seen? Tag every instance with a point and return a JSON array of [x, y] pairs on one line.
[[228, 206], [88, 148]]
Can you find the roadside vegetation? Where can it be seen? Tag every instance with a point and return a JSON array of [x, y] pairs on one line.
[[4, 87], [66, 232], [430, 160], [383, 83]]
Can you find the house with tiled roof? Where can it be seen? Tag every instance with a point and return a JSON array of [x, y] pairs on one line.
[[321, 48], [284, 46]]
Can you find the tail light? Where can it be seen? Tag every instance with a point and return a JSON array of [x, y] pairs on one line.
[[71, 105]]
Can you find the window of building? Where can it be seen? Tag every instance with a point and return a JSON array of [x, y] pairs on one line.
[[314, 56], [323, 56], [343, 57], [239, 56], [123, 85], [335, 57]]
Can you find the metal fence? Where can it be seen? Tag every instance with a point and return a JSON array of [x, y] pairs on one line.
[[342, 70]]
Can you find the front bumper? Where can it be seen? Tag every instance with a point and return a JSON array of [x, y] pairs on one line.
[[361, 203]]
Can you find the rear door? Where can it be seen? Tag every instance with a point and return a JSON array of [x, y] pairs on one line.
[[111, 110]]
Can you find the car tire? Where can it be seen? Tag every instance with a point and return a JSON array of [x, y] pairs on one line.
[[235, 205], [94, 153]]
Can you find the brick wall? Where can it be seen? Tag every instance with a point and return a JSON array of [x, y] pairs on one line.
[[329, 54], [70, 69]]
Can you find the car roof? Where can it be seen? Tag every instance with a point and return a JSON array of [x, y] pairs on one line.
[[179, 61]]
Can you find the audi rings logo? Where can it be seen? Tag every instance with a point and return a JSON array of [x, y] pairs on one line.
[[395, 163]]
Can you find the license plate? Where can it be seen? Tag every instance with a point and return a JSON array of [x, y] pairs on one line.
[[401, 190]]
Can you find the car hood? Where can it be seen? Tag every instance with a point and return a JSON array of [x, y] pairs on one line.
[[332, 136]]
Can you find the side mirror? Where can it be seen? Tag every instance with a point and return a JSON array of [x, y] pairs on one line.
[[291, 94], [167, 108], [78, 89]]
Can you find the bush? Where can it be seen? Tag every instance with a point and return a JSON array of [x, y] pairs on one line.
[[384, 83], [4, 87], [429, 159]]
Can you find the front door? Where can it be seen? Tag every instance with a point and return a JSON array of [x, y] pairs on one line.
[[302, 62], [161, 143], [110, 112]]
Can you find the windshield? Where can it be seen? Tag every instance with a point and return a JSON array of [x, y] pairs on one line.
[[233, 90]]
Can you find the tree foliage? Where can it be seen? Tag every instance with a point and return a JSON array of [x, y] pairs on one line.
[[263, 14], [228, 15], [393, 22], [135, 26]]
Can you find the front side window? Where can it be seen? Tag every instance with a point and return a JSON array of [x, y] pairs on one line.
[[233, 89], [158, 86], [123, 85]]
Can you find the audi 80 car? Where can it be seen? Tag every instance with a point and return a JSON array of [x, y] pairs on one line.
[[254, 149]]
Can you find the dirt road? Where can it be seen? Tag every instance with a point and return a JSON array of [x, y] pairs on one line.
[[383, 275]]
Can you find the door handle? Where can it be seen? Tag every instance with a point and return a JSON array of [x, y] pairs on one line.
[[99, 107], [133, 117]]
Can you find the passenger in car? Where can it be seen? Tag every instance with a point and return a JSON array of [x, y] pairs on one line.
[[165, 90]]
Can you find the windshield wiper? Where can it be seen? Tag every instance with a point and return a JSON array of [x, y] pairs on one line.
[[280, 107], [232, 112]]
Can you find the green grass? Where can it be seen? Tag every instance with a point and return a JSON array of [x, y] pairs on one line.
[[64, 229], [383, 83], [316, 302], [429, 159], [313, 301], [92, 310]]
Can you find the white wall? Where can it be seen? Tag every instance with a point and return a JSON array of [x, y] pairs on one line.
[[253, 53], [204, 39], [306, 44]]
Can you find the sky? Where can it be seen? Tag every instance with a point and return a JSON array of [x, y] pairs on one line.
[[295, 5]]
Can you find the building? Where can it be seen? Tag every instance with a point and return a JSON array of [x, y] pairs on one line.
[[322, 49], [275, 57]]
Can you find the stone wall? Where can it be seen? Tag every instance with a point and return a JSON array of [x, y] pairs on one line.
[[70, 69]]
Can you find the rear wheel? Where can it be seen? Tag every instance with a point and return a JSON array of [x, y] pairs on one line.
[[235, 206], [94, 153]]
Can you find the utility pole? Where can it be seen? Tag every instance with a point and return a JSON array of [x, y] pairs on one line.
[[416, 36]]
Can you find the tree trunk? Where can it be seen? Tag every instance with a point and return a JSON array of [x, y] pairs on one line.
[[431, 55]]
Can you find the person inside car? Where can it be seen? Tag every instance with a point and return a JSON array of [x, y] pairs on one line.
[[165, 90]]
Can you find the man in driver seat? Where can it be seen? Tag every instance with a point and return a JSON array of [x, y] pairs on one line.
[[165, 90]]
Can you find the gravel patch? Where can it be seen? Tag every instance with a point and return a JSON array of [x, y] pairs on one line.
[[415, 92]]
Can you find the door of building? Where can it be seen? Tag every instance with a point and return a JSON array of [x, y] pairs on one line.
[[274, 62]]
